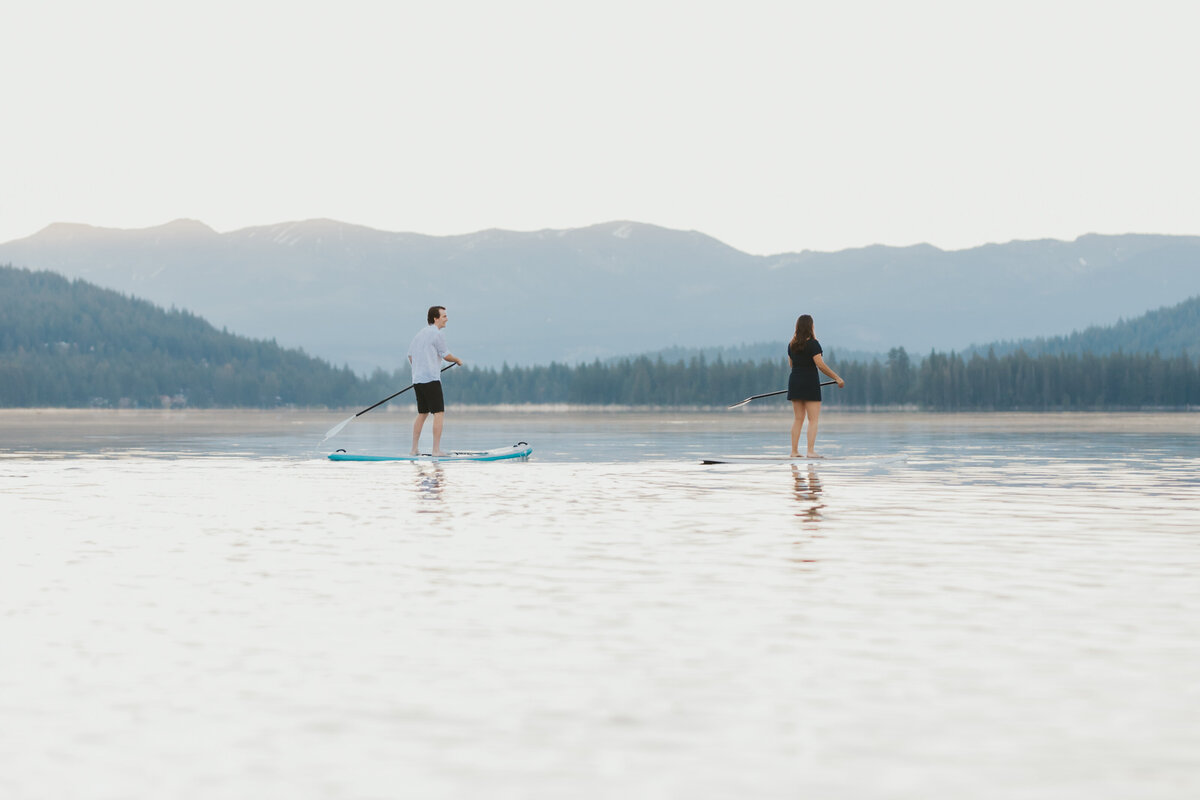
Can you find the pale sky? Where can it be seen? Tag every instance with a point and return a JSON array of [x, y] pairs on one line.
[[773, 126]]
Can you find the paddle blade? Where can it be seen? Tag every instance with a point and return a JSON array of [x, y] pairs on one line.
[[336, 429], [739, 405]]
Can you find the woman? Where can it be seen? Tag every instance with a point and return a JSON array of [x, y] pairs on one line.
[[804, 385]]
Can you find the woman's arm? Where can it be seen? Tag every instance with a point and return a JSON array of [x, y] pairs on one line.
[[821, 365]]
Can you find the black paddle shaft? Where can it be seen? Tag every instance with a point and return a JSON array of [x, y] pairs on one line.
[[772, 394], [397, 394]]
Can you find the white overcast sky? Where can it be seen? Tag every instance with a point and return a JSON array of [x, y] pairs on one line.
[[773, 126]]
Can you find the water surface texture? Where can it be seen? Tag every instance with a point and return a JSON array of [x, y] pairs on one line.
[[200, 605]]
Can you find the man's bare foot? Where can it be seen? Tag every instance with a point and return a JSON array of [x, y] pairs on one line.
[[813, 455], [794, 455], [440, 453]]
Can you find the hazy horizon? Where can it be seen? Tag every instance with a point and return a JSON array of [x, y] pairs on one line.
[[774, 127]]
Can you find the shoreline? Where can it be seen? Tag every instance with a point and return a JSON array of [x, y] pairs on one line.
[[571, 408], [20, 423]]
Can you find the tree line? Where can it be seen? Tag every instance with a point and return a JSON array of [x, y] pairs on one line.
[[1023, 382], [938, 382]]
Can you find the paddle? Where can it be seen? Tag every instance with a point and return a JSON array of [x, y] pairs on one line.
[[771, 394], [336, 429]]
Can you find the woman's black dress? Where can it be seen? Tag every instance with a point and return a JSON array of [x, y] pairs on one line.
[[804, 382]]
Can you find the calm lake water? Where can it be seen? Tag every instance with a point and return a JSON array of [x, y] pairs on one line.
[[200, 605]]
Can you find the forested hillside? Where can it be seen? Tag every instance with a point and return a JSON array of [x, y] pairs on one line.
[[69, 343], [1170, 331]]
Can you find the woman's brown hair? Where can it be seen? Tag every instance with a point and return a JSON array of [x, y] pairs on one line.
[[804, 333]]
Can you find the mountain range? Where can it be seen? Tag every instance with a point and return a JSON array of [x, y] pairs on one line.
[[355, 295]]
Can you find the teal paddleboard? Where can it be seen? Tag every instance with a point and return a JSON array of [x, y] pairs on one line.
[[518, 450]]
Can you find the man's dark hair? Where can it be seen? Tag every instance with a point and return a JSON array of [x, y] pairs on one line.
[[434, 313]]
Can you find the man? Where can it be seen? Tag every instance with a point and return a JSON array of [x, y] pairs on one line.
[[425, 354]]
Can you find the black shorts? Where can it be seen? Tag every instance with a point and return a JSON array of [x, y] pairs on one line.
[[429, 397]]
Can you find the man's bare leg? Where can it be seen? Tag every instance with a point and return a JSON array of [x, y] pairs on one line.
[[418, 424], [437, 434]]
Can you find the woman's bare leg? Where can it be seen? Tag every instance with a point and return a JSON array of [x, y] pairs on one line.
[[814, 412], [797, 424]]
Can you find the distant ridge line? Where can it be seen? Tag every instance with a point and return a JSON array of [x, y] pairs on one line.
[[350, 294]]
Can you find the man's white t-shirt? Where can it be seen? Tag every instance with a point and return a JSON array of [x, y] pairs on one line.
[[427, 350]]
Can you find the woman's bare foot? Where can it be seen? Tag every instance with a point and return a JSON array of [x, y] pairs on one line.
[[813, 455]]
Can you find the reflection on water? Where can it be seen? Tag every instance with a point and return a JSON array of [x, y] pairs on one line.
[[807, 489], [430, 480], [955, 607]]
